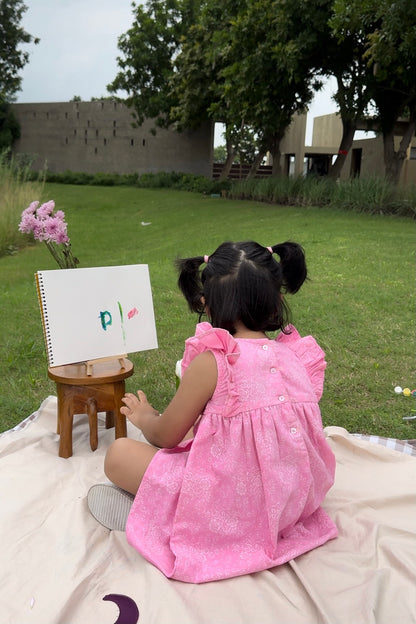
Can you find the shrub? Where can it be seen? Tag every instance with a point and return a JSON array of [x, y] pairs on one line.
[[371, 195], [317, 191], [183, 182], [105, 179], [16, 194], [196, 184], [162, 179]]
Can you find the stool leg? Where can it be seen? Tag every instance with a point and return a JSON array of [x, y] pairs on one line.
[[65, 421], [92, 419], [109, 419], [60, 391]]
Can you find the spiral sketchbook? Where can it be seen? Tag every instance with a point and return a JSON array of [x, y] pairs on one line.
[[96, 312]]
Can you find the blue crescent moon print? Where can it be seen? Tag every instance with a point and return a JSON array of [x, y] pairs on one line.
[[129, 613]]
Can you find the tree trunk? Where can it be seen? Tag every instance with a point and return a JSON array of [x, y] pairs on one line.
[[228, 164], [256, 164], [231, 154], [393, 161], [276, 154], [348, 131]]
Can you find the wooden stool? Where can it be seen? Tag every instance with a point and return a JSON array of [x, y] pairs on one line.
[[79, 393]]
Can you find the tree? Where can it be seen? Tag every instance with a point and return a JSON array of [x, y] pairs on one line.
[[252, 64], [9, 126], [256, 59], [197, 83], [345, 61], [156, 64], [385, 54], [194, 83], [12, 60], [12, 35], [392, 55], [148, 50], [272, 76]]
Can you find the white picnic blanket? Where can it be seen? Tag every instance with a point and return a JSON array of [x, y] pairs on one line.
[[58, 563]]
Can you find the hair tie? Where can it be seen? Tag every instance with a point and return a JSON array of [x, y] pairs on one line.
[[270, 249], [206, 258]]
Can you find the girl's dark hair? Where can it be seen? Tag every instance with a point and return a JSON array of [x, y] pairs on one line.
[[244, 282]]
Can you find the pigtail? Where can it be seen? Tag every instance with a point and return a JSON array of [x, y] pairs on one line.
[[293, 264], [189, 282]]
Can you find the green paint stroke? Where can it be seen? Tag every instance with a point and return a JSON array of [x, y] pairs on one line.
[[106, 319], [120, 309]]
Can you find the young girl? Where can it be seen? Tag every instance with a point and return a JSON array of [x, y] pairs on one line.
[[243, 493]]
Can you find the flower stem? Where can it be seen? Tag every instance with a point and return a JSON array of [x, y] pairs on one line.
[[63, 257]]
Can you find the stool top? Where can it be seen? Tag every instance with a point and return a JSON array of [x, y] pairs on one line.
[[102, 372]]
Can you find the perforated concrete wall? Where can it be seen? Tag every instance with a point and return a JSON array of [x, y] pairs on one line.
[[98, 136]]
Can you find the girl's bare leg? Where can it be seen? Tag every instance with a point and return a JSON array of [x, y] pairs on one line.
[[126, 462]]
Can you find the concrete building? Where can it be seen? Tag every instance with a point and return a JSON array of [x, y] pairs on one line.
[[98, 136], [365, 158]]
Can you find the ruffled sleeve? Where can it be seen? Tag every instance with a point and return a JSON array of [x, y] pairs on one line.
[[208, 338], [310, 354]]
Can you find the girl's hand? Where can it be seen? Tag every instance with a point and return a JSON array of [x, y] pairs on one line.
[[168, 429], [135, 407]]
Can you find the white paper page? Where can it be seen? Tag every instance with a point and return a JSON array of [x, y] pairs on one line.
[[97, 312]]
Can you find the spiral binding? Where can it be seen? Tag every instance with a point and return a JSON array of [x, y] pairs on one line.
[[45, 320]]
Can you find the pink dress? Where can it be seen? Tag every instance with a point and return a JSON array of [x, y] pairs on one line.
[[244, 494]]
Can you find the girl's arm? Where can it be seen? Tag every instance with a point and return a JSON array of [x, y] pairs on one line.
[[168, 429]]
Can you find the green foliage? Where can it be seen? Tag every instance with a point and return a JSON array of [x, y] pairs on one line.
[[94, 179], [370, 195], [388, 37], [12, 58], [148, 49], [393, 44], [359, 301], [69, 177], [9, 126], [16, 194], [374, 195], [162, 179], [384, 59], [159, 180], [220, 154], [293, 191], [251, 65], [197, 83], [183, 62]]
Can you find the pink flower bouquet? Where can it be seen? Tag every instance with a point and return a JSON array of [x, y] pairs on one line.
[[51, 228]]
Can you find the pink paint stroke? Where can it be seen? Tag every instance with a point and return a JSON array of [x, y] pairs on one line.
[[133, 312]]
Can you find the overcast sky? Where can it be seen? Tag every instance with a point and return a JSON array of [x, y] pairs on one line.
[[78, 50]]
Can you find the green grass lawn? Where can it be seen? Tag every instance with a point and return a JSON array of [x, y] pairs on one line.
[[359, 302]]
